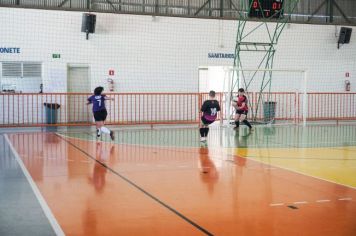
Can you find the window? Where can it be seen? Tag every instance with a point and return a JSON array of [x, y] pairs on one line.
[[21, 77], [31, 70], [22, 69], [11, 69]]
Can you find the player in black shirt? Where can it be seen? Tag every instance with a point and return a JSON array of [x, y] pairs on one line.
[[210, 109]]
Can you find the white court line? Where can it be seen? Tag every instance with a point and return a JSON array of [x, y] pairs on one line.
[[321, 201], [84, 161], [276, 204], [345, 199], [47, 211], [250, 158], [298, 172], [157, 146], [303, 202], [270, 168]]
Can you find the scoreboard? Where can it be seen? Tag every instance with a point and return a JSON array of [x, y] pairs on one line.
[[266, 8]]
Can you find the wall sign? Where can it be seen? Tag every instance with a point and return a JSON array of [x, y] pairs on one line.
[[9, 50], [221, 55], [111, 72]]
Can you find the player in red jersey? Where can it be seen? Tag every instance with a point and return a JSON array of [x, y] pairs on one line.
[[241, 109]]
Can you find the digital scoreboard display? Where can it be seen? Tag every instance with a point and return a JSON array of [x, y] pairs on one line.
[[266, 8]]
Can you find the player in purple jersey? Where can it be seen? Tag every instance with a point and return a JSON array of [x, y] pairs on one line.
[[210, 111], [99, 111]]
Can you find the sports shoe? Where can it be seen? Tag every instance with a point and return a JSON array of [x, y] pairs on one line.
[[97, 133], [204, 144], [112, 136]]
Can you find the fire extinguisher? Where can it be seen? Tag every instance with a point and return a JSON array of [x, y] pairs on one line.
[[111, 85], [347, 86]]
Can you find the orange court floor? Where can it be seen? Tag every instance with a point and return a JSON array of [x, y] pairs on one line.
[[285, 180]]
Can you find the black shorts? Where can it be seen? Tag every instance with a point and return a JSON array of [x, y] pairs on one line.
[[205, 121], [100, 115], [241, 112]]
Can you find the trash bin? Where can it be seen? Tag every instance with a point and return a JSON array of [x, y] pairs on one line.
[[51, 112], [269, 111]]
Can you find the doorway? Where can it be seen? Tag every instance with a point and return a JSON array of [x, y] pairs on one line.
[[78, 87]]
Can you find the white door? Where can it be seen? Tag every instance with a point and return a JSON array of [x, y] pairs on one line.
[[78, 82], [203, 80], [213, 78]]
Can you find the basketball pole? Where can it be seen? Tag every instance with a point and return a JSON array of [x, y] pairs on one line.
[[271, 27]]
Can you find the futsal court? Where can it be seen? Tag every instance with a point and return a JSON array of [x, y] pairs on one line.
[[275, 181], [177, 118]]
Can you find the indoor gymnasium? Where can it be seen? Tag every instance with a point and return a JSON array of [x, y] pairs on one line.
[[177, 117]]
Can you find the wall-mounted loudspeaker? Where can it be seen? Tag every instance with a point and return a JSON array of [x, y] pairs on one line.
[[344, 36], [88, 23]]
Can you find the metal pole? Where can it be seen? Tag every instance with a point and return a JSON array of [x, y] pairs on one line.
[[188, 7], [330, 10], [156, 7], [305, 99]]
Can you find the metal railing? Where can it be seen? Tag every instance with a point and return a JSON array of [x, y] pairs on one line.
[[68, 109]]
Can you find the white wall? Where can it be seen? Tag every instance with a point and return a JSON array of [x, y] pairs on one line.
[[162, 55]]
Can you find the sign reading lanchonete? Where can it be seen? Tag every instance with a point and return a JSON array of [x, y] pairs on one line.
[[9, 50], [221, 55]]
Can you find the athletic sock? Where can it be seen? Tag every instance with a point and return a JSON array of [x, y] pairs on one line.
[[105, 130], [206, 132], [247, 123], [201, 130]]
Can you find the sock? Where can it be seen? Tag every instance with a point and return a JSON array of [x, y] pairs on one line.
[[206, 132], [105, 130], [201, 130], [247, 123], [237, 123]]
